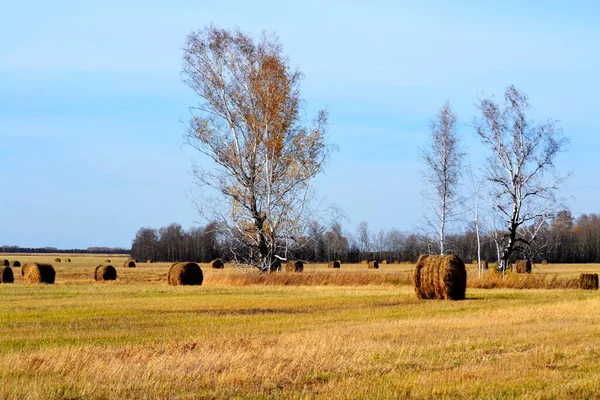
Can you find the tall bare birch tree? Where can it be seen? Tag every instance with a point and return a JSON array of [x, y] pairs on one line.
[[520, 168], [248, 122], [443, 162]]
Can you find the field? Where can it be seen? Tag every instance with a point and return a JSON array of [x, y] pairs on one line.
[[350, 333]]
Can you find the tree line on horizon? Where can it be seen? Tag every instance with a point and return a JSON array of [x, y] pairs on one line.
[[564, 239]]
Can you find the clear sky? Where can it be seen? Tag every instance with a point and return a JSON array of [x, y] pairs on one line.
[[92, 103]]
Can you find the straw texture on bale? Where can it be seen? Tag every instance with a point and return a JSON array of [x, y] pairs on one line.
[[523, 267], [105, 273], [6, 263], [440, 277], [6, 275], [373, 264], [588, 281], [16, 264], [185, 273], [334, 264], [294, 266], [129, 264], [217, 264], [57, 259], [38, 273]]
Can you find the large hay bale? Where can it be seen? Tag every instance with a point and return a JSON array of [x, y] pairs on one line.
[[6, 275], [588, 281], [217, 264], [185, 273], [129, 264], [373, 264], [334, 264], [38, 273], [57, 259], [294, 266], [523, 267], [105, 273], [6, 263], [440, 277], [16, 263]]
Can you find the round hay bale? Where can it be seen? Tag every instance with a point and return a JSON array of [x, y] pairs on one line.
[[217, 264], [57, 259], [366, 262], [275, 265], [105, 273], [129, 264], [294, 266], [148, 261], [38, 273], [185, 273], [440, 277], [6, 275], [523, 267], [373, 264], [68, 260], [16, 263], [334, 264], [545, 262], [396, 261], [384, 262], [107, 261], [588, 281], [6, 263]]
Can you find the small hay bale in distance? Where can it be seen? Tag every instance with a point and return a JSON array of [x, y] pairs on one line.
[[57, 259], [366, 262], [373, 264], [440, 277], [334, 264], [16, 263], [6, 275], [105, 273], [396, 261], [545, 262], [6, 263], [185, 273], [148, 261], [588, 281], [523, 267], [107, 261], [68, 260], [384, 262], [294, 266], [38, 273], [217, 264], [129, 264]]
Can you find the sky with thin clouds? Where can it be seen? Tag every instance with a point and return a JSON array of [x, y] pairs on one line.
[[93, 108]]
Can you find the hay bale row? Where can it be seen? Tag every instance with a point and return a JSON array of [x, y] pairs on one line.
[[38, 273], [334, 264], [185, 273], [523, 267], [294, 266], [217, 264], [440, 277], [373, 264], [6, 275], [129, 264], [588, 281], [105, 273]]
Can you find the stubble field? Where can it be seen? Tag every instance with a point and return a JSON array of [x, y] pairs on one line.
[[352, 333]]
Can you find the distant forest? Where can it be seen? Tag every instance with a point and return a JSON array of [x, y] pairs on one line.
[[561, 240], [42, 250]]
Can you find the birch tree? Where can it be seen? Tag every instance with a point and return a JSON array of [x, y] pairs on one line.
[[443, 162], [248, 123], [520, 168]]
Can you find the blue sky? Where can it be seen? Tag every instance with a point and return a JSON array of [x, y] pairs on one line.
[[91, 101]]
